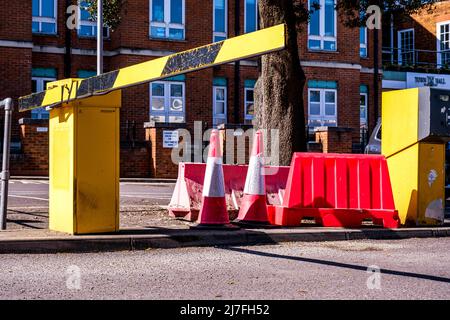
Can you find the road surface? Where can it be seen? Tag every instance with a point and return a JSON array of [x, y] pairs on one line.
[[410, 269], [34, 193]]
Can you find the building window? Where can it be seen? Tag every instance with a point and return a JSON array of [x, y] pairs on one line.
[[322, 103], [443, 36], [83, 74], [406, 47], [250, 16], [44, 16], [322, 26], [167, 101], [167, 19], [219, 105], [39, 79], [363, 96], [220, 20], [87, 26], [363, 42]]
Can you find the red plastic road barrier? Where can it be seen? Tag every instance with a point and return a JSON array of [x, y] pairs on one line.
[[187, 196], [337, 190]]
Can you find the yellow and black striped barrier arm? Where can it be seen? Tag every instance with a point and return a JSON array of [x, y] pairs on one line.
[[242, 47]]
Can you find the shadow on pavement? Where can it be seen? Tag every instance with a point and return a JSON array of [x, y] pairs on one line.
[[339, 264]]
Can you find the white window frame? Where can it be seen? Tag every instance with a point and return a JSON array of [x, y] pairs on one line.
[[256, 15], [91, 24], [322, 115], [167, 24], [363, 121], [247, 116], [219, 116], [322, 38], [37, 113], [40, 19], [399, 44], [363, 45], [216, 33], [438, 42], [167, 113]]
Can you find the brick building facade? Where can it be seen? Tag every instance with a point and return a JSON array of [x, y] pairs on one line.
[[416, 49], [36, 48]]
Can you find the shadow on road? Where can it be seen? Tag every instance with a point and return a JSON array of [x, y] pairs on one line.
[[338, 264]]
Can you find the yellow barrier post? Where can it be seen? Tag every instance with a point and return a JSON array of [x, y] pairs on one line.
[[415, 127], [84, 164]]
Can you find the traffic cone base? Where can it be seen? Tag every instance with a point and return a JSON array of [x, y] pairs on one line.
[[214, 211]]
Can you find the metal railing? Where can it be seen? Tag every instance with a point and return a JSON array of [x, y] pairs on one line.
[[416, 58]]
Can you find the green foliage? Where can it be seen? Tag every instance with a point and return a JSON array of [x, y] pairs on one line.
[[112, 10], [352, 12]]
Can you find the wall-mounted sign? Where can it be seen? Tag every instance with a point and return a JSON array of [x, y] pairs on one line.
[[415, 80], [42, 129], [170, 139]]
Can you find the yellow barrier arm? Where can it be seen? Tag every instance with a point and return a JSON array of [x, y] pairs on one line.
[[242, 47]]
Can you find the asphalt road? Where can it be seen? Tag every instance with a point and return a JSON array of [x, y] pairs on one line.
[[34, 193], [410, 269]]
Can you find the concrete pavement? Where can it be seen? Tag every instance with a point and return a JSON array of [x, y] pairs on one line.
[[401, 269]]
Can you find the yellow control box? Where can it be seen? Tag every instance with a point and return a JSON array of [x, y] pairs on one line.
[[84, 165], [415, 127]]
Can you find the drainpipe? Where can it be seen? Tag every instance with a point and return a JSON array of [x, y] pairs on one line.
[[237, 64], [68, 45], [7, 104]]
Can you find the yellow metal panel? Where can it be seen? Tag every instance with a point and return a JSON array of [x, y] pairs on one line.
[[97, 176], [61, 187], [251, 44], [84, 165], [403, 168], [431, 184], [400, 113]]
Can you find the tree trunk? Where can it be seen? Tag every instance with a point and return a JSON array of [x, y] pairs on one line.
[[279, 89]]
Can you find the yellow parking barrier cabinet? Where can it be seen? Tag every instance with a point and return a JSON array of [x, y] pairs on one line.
[[415, 128], [84, 165]]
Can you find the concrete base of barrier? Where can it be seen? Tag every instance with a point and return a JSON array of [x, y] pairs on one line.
[[326, 217], [187, 196]]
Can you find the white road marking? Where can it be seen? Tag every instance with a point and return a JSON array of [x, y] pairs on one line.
[[24, 197]]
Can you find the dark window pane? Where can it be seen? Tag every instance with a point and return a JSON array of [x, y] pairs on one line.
[[48, 8], [314, 23], [329, 17], [158, 10], [250, 15], [219, 15], [35, 9], [176, 11]]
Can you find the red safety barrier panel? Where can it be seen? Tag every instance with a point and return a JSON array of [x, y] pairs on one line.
[[337, 190], [187, 196]]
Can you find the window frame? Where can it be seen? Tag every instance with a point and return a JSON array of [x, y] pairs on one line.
[[322, 115], [167, 96], [399, 43], [438, 43], [322, 21], [222, 116], [256, 15], [40, 19], [92, 25], [41, 86], [247, 116], [167, 25], [366, 106], [365, 44], [217, 33]]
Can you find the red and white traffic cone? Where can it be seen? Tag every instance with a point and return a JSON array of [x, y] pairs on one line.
[[213, 213], [253, 210]]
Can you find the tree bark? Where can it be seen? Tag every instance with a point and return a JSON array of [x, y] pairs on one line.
[[279, 89]]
